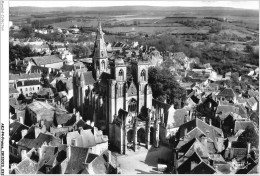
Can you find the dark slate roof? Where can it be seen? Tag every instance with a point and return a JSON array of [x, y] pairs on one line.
[[91, 157], [12, 90], [28, 83], [243, 125], [24, 76], [44, 60], [227, 92], [27, 166], [38, 142], [195, 99], [15, 130], [76, 160], [203, 168]]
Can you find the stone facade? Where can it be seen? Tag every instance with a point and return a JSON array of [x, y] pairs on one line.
[[102, 100]]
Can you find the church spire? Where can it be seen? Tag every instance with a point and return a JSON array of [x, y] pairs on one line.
[[100, 45]]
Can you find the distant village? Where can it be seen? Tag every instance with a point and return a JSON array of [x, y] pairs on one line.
[[77, 116]]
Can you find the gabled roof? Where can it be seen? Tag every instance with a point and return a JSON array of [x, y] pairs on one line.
[[132, 90], [78, 156], [44, 60], [203, 168], [227, 92], [213, 132]]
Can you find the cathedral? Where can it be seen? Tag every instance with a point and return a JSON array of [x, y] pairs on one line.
[[121, 108]]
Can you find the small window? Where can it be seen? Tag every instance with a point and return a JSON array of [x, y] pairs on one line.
[[73, 142], [38, 88], [26, 89]]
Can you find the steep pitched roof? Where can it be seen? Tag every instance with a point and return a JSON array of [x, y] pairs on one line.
[[132, 90], [76, 159], [227, 92], [213, 132], [15, 130], [203, 168]]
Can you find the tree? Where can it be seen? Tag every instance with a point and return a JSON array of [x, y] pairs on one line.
[[165, 87], [249, 136]]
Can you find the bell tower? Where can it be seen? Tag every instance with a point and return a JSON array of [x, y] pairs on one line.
[[100, 59]]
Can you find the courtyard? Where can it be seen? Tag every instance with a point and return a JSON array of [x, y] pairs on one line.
[[143, 161]]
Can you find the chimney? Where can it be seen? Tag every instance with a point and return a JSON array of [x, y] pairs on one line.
[[80, 130], [74, 111], [24, 132], [109, 157], [42, 123], [185, 118], [23, 154], [204, 141], [204, 119], [210, 122], [13, 166], [248, 147], [175, 161], [92, 124], [88, 122], [77, 116], [39, 153], [21, 120], [68, 151]]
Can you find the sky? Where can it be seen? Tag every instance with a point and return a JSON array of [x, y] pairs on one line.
[[235, 4]]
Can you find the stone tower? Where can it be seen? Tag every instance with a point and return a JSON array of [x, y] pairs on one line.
[[140, 74], [100, 58]]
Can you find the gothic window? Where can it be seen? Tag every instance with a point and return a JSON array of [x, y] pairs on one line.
[[97, 64], [143, 75], [121, 75], [103, 65], [132, 106]]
